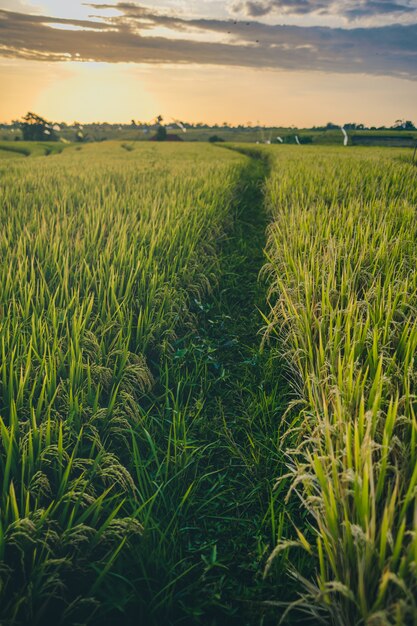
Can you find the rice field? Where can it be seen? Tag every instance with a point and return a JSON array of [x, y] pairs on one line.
[[207, 385]]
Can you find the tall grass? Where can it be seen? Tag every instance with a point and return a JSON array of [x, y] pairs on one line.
[[342, 259], [101, 250]]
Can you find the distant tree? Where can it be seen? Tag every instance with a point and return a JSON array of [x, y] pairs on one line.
[[36, 128], [215, 139], [404, 125], [161, 133], [353, 126]]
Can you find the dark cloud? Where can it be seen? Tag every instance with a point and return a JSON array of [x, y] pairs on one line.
[[389, 50], [255, 8], [350, 9], [375, 8]]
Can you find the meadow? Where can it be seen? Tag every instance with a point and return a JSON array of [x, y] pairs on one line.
[[207, 385]]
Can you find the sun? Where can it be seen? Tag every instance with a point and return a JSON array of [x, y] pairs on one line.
[[97, 91]]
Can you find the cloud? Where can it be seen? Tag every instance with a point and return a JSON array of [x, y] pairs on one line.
[[350, 9], [18, 5], [256, 8], [135, 37]]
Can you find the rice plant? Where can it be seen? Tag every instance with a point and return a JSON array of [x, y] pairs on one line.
[[101, 251], [342, 261]]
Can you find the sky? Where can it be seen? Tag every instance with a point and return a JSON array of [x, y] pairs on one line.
[[274, 62]]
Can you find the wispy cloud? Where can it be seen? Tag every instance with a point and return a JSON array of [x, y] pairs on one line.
[[350, 9], [134, 36]]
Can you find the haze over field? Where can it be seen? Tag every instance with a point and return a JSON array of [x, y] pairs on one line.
[[301, 62]]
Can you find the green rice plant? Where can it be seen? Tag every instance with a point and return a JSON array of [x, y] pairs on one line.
[[101, 251], [342, 262]]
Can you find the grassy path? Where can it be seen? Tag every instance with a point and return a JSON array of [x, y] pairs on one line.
[[242, 414], [243, 411]]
